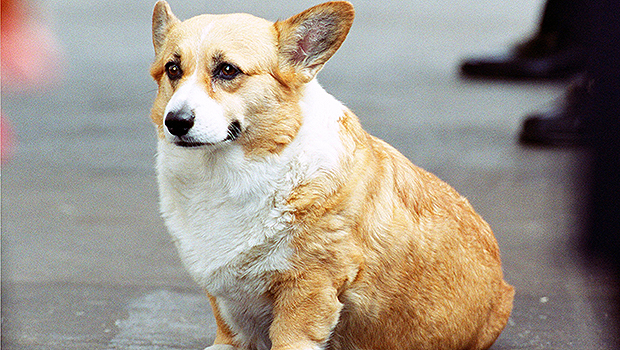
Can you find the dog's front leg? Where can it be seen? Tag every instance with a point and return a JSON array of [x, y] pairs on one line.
[[306, 309], [223, 336]]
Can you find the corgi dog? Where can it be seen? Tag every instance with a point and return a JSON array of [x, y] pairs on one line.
[[305, 231]]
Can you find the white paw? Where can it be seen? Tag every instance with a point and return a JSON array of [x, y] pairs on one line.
[[220, 347]]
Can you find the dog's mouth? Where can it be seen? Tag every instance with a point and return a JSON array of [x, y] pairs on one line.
[[234, 131], [190, 143]]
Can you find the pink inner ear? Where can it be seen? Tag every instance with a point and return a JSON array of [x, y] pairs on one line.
[[300, 53], [314, 35]]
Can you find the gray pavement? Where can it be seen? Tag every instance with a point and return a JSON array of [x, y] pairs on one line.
[[87, 264]]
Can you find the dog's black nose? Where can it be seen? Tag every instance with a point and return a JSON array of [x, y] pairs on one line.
[[179, 123]]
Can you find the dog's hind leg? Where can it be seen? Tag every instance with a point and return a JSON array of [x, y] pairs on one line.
[[498, 318]]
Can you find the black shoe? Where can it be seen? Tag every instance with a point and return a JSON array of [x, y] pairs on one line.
[[561, 126], [552, 128], [540, 58]]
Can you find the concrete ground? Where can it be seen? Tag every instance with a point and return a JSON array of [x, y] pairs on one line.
[[86, 261]]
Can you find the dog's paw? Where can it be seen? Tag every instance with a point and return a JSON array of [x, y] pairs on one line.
[[220, 347]]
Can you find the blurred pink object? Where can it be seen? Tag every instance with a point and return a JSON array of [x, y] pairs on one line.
[[30, 56]]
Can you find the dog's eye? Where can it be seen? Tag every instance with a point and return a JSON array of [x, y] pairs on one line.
[[227, 71], [173, 71]]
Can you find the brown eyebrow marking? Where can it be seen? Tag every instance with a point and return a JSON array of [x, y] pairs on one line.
[[176, 56], [218, 58]]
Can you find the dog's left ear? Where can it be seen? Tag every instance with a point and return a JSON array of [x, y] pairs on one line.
[[309, 39]]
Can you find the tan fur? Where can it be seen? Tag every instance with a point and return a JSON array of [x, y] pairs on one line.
[[402, 251], [386, 255]]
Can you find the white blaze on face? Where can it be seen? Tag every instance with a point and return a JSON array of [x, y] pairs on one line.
[[205, 32], [209, 123], [191, 101]]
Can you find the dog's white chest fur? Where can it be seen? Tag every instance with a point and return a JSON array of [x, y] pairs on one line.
[[231, 229], [228, 214]]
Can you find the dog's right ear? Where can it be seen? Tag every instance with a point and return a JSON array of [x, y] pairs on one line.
[[163, 19]]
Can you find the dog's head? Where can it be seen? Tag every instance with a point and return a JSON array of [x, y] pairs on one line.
[[237, 78]]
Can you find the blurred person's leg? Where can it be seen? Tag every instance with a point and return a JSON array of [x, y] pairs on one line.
[[602, 118], [572, 120]]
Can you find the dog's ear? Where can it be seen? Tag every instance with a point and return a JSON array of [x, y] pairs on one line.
[[163, 19], [309, 39]]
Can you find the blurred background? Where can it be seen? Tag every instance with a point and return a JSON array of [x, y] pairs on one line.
[[86, 260]]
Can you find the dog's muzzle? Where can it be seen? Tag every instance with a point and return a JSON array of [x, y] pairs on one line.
[[180, 123]]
